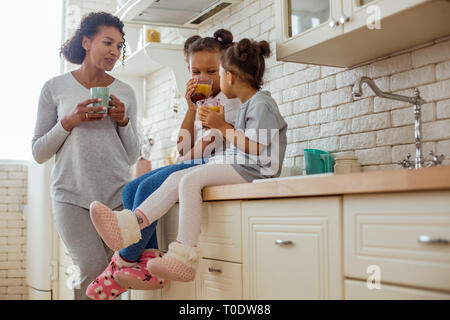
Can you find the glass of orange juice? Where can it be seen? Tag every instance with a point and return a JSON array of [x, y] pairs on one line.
[[203, 89], [211, 103]]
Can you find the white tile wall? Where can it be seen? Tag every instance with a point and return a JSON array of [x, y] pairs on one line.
[[316, 101], [13, 185]]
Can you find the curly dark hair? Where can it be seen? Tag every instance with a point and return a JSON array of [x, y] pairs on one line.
[[246, 60], [220, 41], [73, 51]]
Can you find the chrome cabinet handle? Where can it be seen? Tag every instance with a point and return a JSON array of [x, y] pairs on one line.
[[343, 19], [333, 23], [283, 242], [214, 270], [430, 240]]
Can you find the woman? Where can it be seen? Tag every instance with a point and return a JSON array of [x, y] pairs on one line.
[[94, 151]]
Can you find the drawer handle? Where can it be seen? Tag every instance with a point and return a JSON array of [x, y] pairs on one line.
[[283, 242], [214, 270], [430, 240]]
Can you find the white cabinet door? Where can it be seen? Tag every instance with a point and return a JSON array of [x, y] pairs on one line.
[[393, 234], [292, 248], [302, 24], [399, 25], [363, 12]]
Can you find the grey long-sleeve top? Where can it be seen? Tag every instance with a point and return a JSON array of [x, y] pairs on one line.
[[93, 160]]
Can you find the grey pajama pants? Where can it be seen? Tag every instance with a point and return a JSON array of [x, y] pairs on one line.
[[87, 250]]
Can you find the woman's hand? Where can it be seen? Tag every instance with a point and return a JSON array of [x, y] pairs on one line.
[[211, 119], [83, 113], [118, 113], [190, 87]]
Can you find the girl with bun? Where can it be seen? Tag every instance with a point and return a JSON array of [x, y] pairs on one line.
[[127, 266], [257, 143]]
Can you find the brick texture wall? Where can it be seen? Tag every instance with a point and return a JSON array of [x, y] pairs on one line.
[[317, 103], [13, 186]]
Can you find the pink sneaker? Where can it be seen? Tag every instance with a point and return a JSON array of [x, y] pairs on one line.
[[105, 287], [179, 263], [138, 277], [119, 229]]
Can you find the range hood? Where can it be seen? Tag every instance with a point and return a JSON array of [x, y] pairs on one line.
[[172, 13]]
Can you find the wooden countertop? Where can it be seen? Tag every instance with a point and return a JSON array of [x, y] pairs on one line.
[[435, 178]]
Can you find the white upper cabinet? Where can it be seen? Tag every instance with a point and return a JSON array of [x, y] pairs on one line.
[[345, 33]]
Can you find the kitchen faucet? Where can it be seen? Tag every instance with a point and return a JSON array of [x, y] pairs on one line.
[[417, 101]]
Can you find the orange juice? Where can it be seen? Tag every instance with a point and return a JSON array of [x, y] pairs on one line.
[[214, 108], [202, 91]]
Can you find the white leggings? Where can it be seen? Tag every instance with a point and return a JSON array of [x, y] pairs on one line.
[[186, 187]]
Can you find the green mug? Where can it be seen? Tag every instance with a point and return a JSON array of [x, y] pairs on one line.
[[318, 161], [101, 93]]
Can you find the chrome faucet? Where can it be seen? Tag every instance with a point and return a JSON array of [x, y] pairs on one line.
[[417, 101]]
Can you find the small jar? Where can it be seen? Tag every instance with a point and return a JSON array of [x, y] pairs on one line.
[[346, 164]]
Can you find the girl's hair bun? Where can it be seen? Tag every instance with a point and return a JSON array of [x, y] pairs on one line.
[[246, 60], [224, 37], [243, 49], [264, 48], [221, 40]]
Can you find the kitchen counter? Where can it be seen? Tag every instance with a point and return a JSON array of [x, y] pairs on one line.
[[398, 180]]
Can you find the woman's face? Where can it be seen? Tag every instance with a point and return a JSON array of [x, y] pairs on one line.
[[205, 64], [104, 49]]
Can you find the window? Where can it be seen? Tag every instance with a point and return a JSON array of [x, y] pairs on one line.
[[31, 38]]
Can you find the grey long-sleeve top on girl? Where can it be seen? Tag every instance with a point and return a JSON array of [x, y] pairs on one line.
[[93, 160]]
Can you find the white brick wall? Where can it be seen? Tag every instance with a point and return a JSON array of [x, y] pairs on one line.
[[13, 183], [316, 101]]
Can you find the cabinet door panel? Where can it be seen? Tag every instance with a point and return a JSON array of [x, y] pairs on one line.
[[383, 230], [219, 280], [319, 32], [292, 248], [362, 12]]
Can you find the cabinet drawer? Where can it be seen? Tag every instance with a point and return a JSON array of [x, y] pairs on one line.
[[220, 235], [357, 290], [383, 230], [219, 280], [292, 248]]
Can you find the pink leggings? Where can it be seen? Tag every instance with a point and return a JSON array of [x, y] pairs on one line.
[[186, 187]]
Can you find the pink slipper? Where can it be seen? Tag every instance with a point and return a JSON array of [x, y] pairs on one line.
[[138, 277], [179, 263], [104, 287], [119, 229]]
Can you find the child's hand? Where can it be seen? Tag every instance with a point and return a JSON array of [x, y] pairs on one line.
[[211, 119], [190, 87]]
